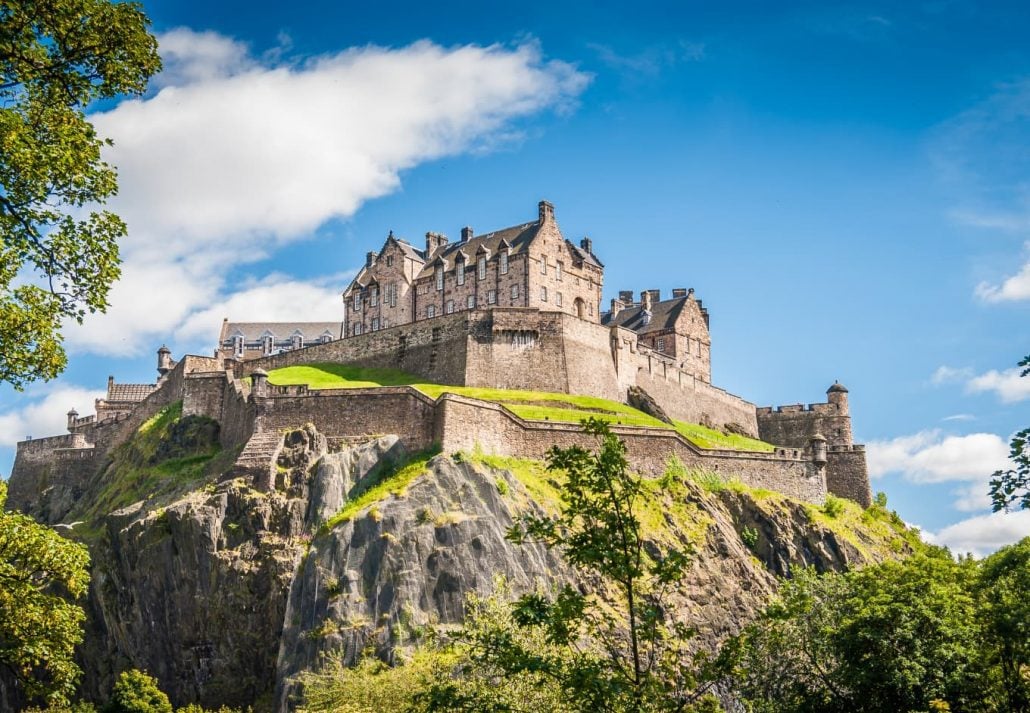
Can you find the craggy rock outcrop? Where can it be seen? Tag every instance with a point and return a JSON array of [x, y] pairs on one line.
[[224, 592], [643, 401]]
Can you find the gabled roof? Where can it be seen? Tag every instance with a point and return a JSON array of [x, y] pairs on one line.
[[253, 331], [129, 392], [663, 316], [518, 237], [587, 257]]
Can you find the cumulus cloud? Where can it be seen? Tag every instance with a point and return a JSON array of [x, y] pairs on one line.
[[1009, 386], [47, 416], [1012, 289], [983, 534], [931, 457], [236, 156], [947, 374]]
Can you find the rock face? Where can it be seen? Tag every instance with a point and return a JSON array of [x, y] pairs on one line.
[[224, 592]]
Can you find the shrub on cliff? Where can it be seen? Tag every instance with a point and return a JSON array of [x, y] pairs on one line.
[[137, 692]]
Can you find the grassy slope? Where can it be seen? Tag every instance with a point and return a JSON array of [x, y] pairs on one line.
[[530, 405], [136, 471]]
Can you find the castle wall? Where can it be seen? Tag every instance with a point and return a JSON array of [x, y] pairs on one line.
[[465, 424], [238, 414], [588, 360], [847, 475], [434, 349], [795, 425]]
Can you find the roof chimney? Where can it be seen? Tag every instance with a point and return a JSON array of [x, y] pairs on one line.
[[679, 292], [645, 300], [370, 257], [466, 234], [587, 244], [546, 211], [434, 241], [626, 297], [656, 296]]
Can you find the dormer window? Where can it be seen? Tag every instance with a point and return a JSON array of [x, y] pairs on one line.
[[503, 258], [266, 344], [459, 270], [481, 267], [439, 277]]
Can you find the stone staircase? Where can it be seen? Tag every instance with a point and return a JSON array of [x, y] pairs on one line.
[[257, 460]]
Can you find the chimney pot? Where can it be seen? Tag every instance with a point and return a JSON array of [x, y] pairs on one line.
[[587, 244], [466, 234], [626, 296], [679, 292], [546, 211], [370, 257]]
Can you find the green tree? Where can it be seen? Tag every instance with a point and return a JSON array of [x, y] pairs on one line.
[[136, 691], [1002, 591], [40, 572], [615, 649], [58, 258], [899, 636], [1012, 485]]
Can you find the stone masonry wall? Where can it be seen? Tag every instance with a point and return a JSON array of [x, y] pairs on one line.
[[796, 424], [847, 475]]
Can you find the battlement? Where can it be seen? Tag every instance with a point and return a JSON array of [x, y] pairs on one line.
[[822, 408]]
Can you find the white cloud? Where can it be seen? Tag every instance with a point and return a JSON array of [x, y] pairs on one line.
[[960, 417], [1012, 289], [929, 457], [236, 156], [1008, 385], [947, 374], [983, 534], [48, 416]]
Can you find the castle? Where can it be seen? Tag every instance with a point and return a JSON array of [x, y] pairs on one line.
[[517, 308]]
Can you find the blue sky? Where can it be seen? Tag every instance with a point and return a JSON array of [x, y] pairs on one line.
[[846, 186]]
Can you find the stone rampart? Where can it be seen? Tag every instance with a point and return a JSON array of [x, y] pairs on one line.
[[795, 424], [847, 474]]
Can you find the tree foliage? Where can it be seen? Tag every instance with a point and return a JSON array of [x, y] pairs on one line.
[[616, 652], [1013, 485], [137, 691], [40, 572], [926, 633], [58, 258]]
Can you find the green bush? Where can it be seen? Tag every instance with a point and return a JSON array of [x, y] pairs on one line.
[[749, 536], [834, 506], [137, 692]]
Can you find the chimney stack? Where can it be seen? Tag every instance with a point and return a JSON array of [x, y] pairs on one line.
[[546, 211], [370, 257], [466, 234], [587, 244], [626, 297], [645, 300], [434, 241], [679, 292]]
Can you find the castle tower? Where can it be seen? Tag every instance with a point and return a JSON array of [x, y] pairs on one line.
[[837, 395], [72, 415], [164, 360]]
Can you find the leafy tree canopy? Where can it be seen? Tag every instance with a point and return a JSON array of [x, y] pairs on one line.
[[40, 572], [137, 692], [58, 257], [1013, 485]]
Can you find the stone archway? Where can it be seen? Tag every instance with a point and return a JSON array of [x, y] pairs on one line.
[[580, 308]]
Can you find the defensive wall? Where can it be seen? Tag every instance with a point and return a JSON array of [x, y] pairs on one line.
[[524, 348]]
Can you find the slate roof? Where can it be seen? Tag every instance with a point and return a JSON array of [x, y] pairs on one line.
[[663, 316], [518, 237], [129, 392], [253, 331]]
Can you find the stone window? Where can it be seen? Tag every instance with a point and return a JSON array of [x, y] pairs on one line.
[[543, 294], [389, 260], [543, 264], [491, 297], [514, 292], [326, 339], [503, 262], [357, 301], [357, 329], [557, 298], [375, 324], [237, 345], [557, 271], [471, 302], [590, 308], [373, 296], [431, 311], [459, 270], [450, 306], [423, 289], [481, 268], [439, 278], [660, 344], [393, 294]]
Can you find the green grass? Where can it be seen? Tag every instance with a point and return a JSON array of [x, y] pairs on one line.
[[529, 405], [392, 481]]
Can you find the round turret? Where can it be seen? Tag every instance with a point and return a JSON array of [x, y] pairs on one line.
[[164, 360], [838, 394], [72, 415], [818, 445]]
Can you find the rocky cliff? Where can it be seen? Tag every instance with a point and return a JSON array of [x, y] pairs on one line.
[[224, 592]]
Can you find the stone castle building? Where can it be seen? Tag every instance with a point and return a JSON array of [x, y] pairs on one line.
[[517, 308]]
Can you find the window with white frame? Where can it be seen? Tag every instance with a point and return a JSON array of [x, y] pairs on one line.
[[375, 324], [543, 294], [450, 306], [357, 329], [557, 298], [439, 277], [459, 270], [557, 271], [373, 296], [660, 344], [237, 345], [514, 292], [471, 302], [357, 301], [481, 267], [266, 344], [543, 264], [431, 311], [491, 297], [503, 258]]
